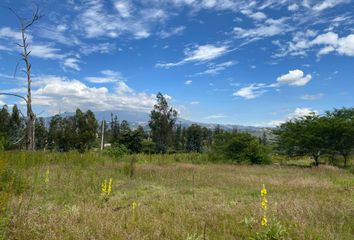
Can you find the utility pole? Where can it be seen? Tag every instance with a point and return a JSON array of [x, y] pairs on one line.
[[102, 136]]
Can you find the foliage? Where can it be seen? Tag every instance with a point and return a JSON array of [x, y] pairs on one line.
[[275, 231], [75, 132], [117, 151], [194, 138], [314, 135], [239, 147], [41, 134], [162, 121]]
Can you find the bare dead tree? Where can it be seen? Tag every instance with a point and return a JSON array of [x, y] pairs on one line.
[[25, 24]]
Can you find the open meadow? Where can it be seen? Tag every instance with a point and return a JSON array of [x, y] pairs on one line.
[[181, 196]]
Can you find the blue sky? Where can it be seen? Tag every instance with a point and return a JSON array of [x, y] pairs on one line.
[[221, 61]]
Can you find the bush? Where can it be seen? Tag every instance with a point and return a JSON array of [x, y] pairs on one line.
[[239, 147], [117, 151]]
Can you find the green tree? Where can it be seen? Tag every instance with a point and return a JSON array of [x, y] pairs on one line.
[[177, 137], [4, 127], [41, 133], [162, 121], [115, 129], [16, 128], [87, 126], [194, 138], [339, 132], [302, 136]]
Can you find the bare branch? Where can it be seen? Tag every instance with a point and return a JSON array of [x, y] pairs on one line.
[[14, 95], [17, 64]]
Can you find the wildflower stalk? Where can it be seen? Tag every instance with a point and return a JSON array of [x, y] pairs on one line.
[[106, 189], [264, 205]]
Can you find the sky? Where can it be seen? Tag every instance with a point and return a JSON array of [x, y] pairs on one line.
[[241, 62]]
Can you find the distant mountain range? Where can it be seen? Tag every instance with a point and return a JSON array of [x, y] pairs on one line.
[[136, 118]]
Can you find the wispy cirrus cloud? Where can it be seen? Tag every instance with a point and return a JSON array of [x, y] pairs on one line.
[[172, 32], [214, 69], [252, 91], [108, 76], [312, 97], [198, 53]]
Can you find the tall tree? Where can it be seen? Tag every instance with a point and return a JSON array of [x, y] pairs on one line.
[[162, 121], [41, 134], [301, 136], [4, 127], [16, 127], [25, 24], [115, 129], [177, 135], [194, 138]]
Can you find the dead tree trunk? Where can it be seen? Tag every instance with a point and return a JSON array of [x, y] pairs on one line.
[[31, 117]]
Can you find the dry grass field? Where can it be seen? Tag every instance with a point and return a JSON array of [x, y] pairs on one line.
[[58, 196]]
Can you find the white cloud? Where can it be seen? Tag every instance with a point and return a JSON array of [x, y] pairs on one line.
[[252, 91], [188, 82], [122, 88], [329, 38], [328, 42], [216, 116], [295, 78], [214, 69], [312, 97], [172, 32], [258, 16], [46, 52], [293, 7], [97, 48], [297, 113], [72, 63], [95, 20], [8, 33], [328, 4], [56, 93], [109, 76], [194, 103], [199, 53], [271, 27], [124, 8], [301, 112], [346, 45]]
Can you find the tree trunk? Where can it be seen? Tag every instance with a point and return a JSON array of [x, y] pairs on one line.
[[31, 118], [316, 158], [345, 156]]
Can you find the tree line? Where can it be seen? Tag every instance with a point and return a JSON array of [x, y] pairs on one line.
[[330, 135], [82, 132]]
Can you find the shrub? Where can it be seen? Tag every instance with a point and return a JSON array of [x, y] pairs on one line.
[[117, 151], [239, 147]]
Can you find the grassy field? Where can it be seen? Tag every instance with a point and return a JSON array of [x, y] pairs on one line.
[[58, 196]]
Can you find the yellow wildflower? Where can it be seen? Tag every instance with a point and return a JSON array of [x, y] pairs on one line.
[[263, 191], [109, 186], [104, 188], [134, 205], [264, 205]]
